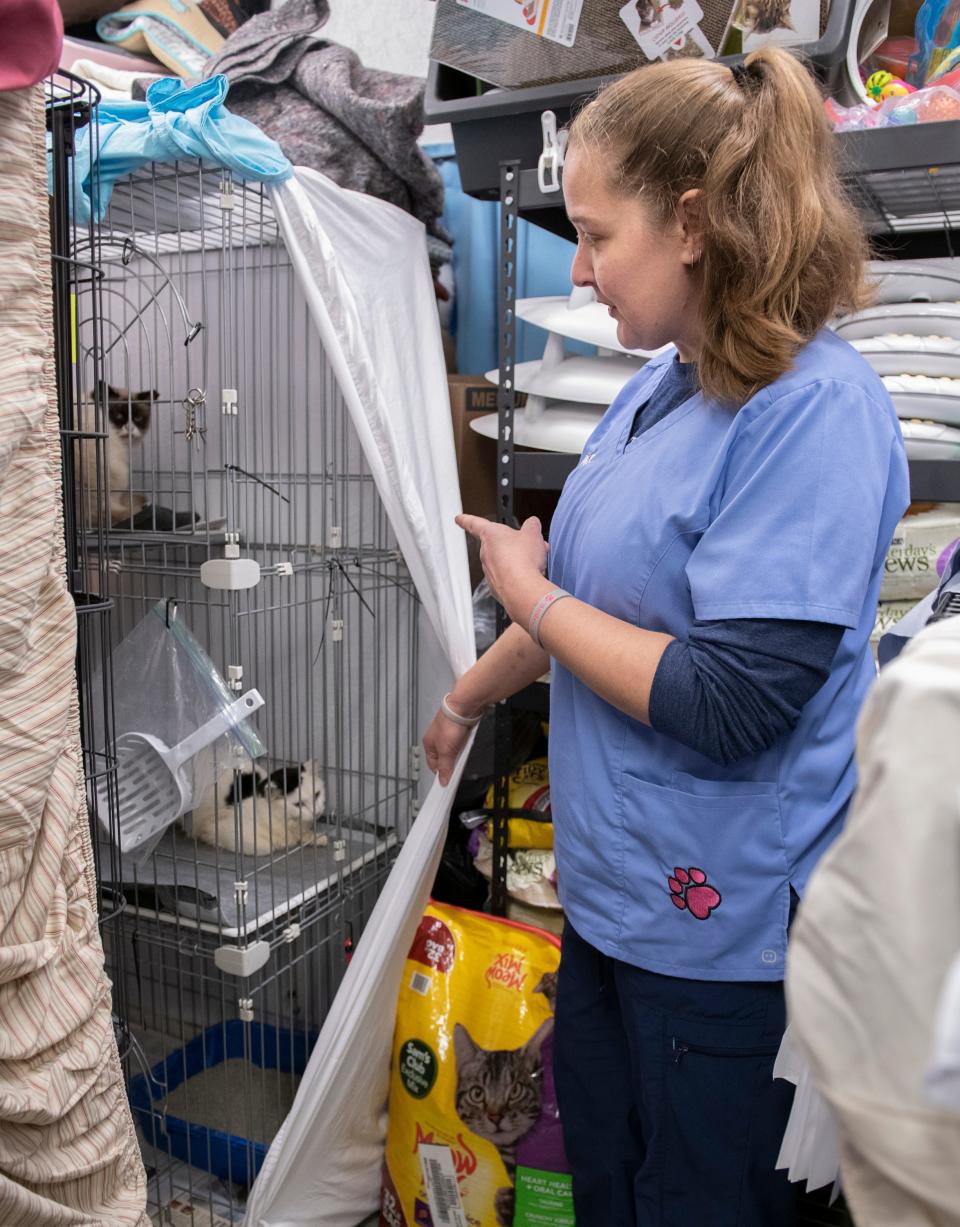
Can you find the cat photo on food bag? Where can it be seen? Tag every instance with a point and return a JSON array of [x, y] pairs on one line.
[[499, 1097]]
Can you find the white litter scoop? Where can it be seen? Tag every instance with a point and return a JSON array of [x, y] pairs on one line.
[[152, 789]]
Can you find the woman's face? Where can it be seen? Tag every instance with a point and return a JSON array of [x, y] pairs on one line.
[[640, 269]]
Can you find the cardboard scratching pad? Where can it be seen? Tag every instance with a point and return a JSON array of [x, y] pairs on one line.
[[489, 48]]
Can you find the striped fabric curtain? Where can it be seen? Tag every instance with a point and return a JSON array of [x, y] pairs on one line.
[[68, 1151]]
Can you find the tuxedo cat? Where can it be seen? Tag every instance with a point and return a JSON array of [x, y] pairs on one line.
[[498, 1096], [128, 419], [278, 810]]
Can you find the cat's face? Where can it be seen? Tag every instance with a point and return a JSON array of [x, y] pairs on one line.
[[547, 984], [128, 412], [499, 1092], [763, 16], [647, 12], [302, 788]]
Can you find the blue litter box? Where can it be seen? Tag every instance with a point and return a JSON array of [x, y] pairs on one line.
[[232, 1158]]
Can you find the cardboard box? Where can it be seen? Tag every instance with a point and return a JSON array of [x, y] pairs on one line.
[[471, 396]]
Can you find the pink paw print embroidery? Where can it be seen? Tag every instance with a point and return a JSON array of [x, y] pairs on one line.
[[689, 890]]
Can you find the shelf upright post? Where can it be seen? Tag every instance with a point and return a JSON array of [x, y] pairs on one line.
[[506, 403]]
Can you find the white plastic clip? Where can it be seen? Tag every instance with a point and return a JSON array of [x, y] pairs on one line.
[[283, 568], [230, 573], [235, 677], [339, 849], [228, 401], [235, 961], [291, 932], [245, 1009], [336, 537], [551, 157], [226, 196], [336, 630]]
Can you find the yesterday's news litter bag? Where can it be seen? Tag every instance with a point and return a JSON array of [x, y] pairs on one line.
[[474, 1136]]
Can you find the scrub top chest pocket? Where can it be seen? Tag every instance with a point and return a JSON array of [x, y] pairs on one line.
[[631, 506]]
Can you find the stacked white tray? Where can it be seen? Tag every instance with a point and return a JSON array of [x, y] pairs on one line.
[[911, 338], [567, 394]]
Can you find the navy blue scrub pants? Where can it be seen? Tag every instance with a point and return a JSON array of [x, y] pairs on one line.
[[670, 1114]]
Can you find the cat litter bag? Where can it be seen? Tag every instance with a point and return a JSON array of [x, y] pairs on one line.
[[474, 1132], [166, 686]]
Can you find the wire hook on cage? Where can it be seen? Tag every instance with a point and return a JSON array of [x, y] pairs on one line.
[[235, 468], [194, 433], [130, 249]]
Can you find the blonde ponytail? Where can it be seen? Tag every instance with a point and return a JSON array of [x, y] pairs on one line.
[[783, 248]]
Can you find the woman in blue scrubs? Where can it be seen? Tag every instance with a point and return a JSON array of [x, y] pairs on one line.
[[714, 567]]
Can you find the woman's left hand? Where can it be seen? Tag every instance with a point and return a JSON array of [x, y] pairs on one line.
[[514, 561]]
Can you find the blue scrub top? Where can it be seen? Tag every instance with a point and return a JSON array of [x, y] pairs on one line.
[[785, 509]]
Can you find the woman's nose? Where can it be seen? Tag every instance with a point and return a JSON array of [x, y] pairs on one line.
[[581, 271]]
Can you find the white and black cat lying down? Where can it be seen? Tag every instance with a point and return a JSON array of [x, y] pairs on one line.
[[277, 810]]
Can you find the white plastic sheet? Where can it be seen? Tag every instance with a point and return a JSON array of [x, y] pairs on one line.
[[363, 266], [811, 1149]]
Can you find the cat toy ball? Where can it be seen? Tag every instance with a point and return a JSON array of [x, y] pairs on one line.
[[877, 82], [896, 89], [881, 85]]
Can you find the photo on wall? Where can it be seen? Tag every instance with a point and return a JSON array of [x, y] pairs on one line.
[[777, 23]]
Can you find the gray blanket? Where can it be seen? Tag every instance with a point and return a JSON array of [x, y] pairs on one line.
[[358, 126]]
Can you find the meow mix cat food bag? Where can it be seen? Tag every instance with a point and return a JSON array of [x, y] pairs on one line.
[[474, 1134]]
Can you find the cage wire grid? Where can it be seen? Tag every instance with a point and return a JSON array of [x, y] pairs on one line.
[[184, 294]]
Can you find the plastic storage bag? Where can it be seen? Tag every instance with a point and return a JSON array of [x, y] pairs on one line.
[[474, 1129], [166, 686]]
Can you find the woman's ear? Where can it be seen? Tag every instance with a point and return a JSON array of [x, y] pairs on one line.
[[690, 220]]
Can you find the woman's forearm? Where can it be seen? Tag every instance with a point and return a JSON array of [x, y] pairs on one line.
[[616, 660], [513, 662]]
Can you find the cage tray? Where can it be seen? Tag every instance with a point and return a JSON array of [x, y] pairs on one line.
[[231, 1157], [193, 884]]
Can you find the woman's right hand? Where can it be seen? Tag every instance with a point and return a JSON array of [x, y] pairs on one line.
[[443, 742]]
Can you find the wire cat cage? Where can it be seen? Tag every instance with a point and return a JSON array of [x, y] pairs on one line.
[[214, 476]]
